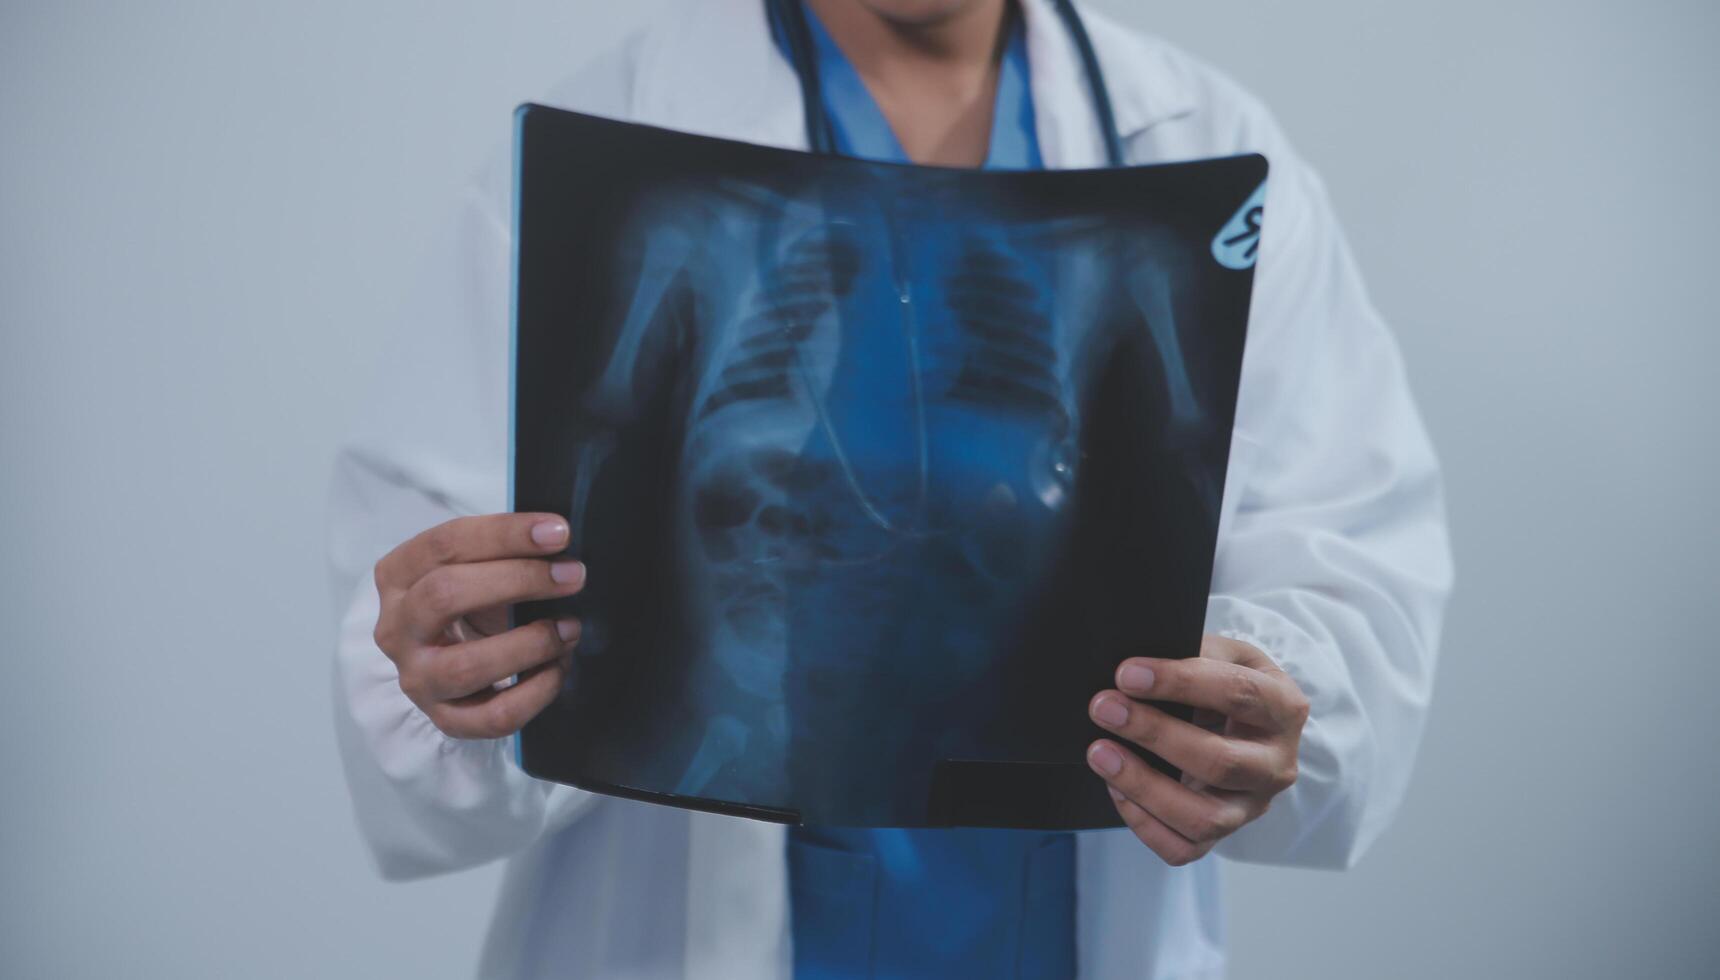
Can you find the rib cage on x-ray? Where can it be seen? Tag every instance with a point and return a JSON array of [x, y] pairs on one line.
[[872, 386], [878, 470]]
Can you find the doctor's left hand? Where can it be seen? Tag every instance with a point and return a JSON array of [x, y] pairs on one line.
[[1239, 754]]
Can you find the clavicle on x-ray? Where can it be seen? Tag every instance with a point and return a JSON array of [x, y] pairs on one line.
[[878, 470]]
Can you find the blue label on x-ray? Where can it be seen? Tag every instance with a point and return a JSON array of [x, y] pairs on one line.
[[1238, 242]]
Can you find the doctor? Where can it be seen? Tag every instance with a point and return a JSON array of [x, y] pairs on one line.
[[1322, 626]]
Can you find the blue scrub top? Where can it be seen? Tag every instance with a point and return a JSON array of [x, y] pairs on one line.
[[891, 903]]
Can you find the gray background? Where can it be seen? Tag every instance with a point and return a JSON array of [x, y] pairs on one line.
[[210, 210]]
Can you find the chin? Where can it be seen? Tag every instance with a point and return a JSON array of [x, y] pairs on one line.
[[917, 12]]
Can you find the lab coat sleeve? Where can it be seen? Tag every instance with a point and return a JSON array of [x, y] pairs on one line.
[[433, 446], [1333, 555]]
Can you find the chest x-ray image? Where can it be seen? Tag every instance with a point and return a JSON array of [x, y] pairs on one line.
[[878, 470]]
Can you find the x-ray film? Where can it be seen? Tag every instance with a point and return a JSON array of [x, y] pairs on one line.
[[878, 470]]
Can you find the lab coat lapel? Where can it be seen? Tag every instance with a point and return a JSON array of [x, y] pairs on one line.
[[1145, 89], [1069, 136], [716, 71]]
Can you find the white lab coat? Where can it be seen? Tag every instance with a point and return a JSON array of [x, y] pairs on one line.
[[1332, 552]]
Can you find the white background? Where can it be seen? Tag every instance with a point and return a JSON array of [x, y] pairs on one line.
[[209, 212]]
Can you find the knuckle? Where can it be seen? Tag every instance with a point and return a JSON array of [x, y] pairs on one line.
[[1287, 776], [1207, 827], [1245, 695], [1299, 706], [1224, 764], [387, 633], [412, 685], [383, 635]]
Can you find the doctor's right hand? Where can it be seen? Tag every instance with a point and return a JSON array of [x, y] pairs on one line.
[[445, 595]]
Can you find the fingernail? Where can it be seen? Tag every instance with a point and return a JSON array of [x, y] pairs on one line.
[[1109, 711], [1105, 759], [1135, 677], [567, 629], [567, 572], [1116, 794], [548, 534]]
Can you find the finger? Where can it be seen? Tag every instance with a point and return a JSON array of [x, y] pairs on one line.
[[451, 591], [500, 713], [471, 539], [1174, 848], [1231, 650], [451, 672], [1200, 817], [488, 622], [1227, 763], [1243, 694]]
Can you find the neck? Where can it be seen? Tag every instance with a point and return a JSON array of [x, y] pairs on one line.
[[933, 75], [964, 37]]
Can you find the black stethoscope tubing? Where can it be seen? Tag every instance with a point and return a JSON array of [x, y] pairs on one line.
[[821, 136]]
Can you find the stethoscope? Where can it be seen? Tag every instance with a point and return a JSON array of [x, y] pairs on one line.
[[821, 136]]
